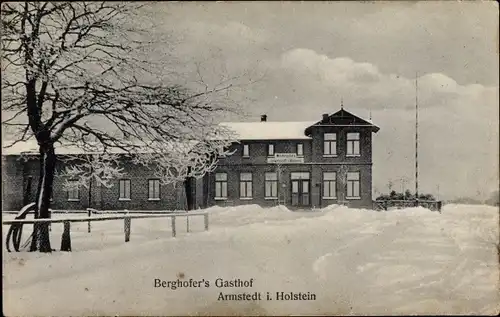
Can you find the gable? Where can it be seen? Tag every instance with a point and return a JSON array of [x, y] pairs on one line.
[[343, 118]]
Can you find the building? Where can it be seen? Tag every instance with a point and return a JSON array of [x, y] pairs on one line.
[[139, 189], [298, 164]]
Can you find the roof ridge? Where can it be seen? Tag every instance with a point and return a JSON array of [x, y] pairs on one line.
[[304, 121]]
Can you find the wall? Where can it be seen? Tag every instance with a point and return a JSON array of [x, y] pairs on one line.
[[284, 185], [365, 144], [15, 173], [12, 183], [314, 162], [258, 151]]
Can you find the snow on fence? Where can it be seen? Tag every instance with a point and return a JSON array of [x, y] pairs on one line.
[[127, 218], [52, 211], [91, 211]]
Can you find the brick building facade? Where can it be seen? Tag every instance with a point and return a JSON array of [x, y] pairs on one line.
[[298, 164], [137, 190]]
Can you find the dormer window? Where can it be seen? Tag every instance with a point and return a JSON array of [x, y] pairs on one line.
[[270, 150], [330, 144], [246, 150], [300, 149], [353, 144]]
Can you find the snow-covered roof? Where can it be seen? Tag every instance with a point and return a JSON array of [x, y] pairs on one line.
[[269, 130], [31, 146], [19, 147]]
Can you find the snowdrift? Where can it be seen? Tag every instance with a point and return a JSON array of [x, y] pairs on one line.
[[409, 261]]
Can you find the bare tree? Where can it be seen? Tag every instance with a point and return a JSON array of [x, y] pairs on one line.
[[170, 162], [71, 74], [343, 169], [88, 169], [91, 168]]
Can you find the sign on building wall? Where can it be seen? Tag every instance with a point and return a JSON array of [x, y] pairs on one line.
[[285, 158]]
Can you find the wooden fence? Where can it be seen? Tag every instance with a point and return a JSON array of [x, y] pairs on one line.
[[127, 220], [386, 204]]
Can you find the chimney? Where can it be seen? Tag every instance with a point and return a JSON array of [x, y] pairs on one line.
[[263, 118], [325, 117]]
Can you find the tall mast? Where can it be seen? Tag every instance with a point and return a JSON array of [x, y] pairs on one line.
[[416, 135]]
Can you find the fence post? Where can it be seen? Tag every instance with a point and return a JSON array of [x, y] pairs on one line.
[[127, 223], [89, 214], [66, 237], [173, 226], [205, 216]]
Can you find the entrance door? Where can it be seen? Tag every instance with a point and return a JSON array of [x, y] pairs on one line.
[[300, 188]]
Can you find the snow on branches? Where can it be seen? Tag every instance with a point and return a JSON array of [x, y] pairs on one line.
[[170, 161], [175, 161], [84, 169], [77, 73]]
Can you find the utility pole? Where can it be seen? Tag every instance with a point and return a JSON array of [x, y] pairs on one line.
[[416, 136]]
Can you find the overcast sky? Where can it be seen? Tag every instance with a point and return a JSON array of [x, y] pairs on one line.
[[307, 56], [298, 59]]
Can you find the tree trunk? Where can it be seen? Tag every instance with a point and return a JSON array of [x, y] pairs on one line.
[[27, 191], [41, 239], [90, 186], [188, 184], [36, 213]]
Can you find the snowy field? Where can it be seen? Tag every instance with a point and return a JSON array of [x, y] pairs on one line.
[[358, 262]]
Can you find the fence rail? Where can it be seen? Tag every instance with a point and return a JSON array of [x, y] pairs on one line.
[[101, 218], [104, 212], [126, 217]]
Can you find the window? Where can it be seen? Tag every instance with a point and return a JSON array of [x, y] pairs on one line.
[[270, 150], [271, 183], [353, 144], [124, 185], [154, 189], [330, 144], [220, 186], [353, 185], [299, 175], [300, 149], [73, 191], [246, 185], [246, 150], [329, 185]]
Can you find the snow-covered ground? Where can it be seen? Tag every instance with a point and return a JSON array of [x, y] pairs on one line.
[[410, 261]]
